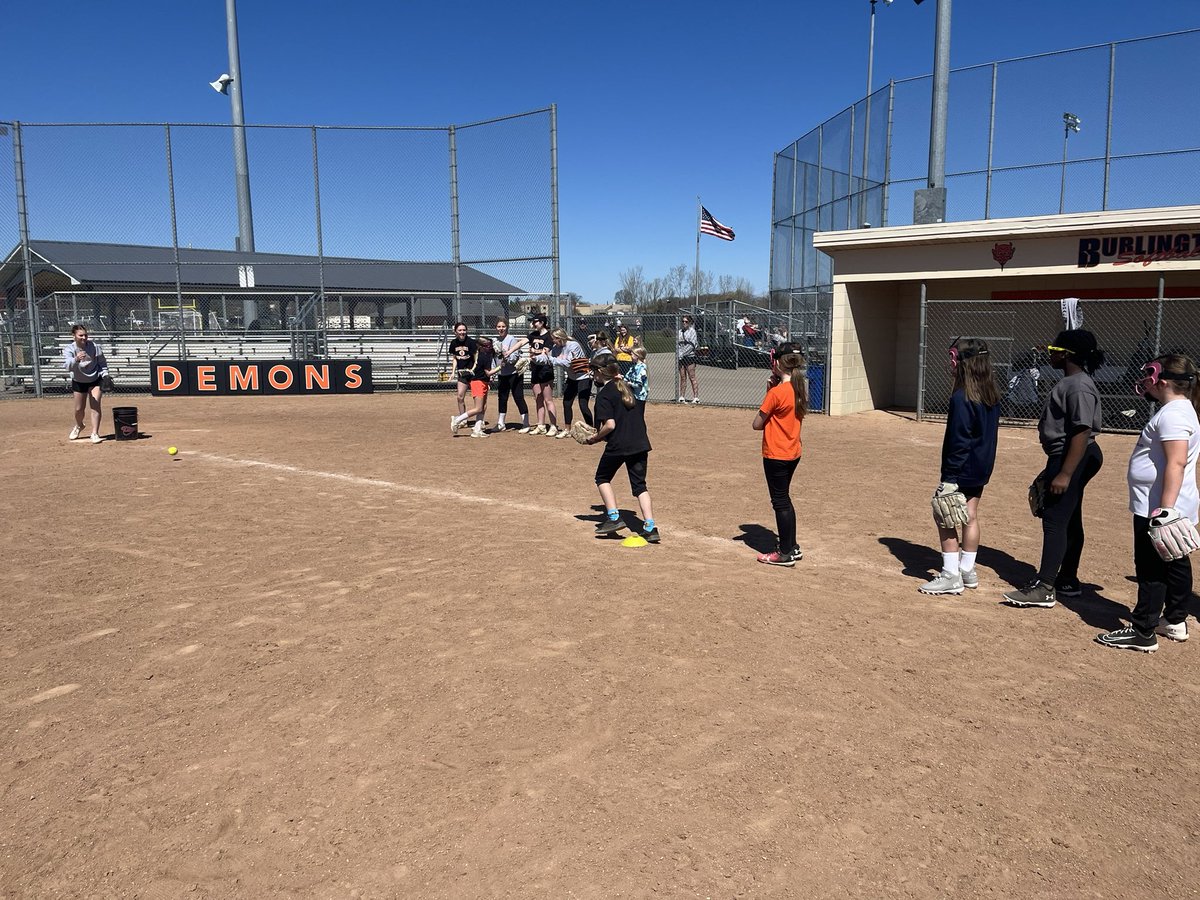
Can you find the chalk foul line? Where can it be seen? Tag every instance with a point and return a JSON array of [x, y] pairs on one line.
[[433, 492]]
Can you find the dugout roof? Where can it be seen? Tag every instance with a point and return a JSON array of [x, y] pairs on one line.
[[93, 265]]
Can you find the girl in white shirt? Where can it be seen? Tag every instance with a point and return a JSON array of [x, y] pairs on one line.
[[1162, 487]]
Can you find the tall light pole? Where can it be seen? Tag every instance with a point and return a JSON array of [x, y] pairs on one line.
[[241, 166], [1071, 123], [929, 204], [862, 206]]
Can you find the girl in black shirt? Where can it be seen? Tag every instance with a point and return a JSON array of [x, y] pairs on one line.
[[621, 426]]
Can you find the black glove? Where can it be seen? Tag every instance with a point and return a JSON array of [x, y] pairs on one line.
[[106, 382]]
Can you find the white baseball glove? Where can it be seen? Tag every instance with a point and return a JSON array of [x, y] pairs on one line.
[[949, 505], [1173, 536]]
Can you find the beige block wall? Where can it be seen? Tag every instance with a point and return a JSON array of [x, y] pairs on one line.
[[862, 364]]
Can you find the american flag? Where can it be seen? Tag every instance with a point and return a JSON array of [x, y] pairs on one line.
[[709, 225]]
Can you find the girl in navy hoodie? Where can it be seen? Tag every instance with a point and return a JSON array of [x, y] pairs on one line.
[[968, 457]]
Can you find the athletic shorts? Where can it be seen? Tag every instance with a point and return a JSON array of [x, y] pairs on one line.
[[687, 361], [971, 492], [83, 387], [541, 374], [635, 468], [479, 388], [464, 376]]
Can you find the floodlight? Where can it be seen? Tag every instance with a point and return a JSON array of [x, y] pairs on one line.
[[221, 85]]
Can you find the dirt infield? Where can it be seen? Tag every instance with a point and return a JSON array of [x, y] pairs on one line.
[[332, 652]]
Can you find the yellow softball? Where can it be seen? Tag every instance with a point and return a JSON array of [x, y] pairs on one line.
[[172, 450]]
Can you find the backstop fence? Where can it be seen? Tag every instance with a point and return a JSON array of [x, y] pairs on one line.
[[357, 234], [1009, 150]]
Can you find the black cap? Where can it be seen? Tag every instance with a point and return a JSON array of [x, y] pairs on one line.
[[1077, 341]]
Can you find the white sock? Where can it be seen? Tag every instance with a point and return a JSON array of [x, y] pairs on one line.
[[950, 563], [968, 559], [459, 419], [525, 420], [500, 421]]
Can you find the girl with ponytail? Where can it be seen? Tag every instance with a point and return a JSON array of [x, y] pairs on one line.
[[621, 426], [779, 419], [968, 457], [1162, 491]]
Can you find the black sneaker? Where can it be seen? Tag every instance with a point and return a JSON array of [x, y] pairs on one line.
[[651, 536], [1128, 639], [609, 526], [1067, 587], [1033, 594]]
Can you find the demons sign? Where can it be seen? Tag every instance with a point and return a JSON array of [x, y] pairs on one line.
[[224, 377]]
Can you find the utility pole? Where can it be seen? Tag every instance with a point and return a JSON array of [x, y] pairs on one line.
[[241, 164], [929, 204]]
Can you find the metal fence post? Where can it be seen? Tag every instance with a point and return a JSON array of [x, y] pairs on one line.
[[987, 195], [175, 243], [554, 206], [887, 153], [322, 328], [921, 357], [1158, 315], [1112, 78], [35, 342], [454, 234]]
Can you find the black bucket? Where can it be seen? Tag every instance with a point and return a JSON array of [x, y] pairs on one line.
[[125, 422]]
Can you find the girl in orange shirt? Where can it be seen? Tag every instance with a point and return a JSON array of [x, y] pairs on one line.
[[779, 419]]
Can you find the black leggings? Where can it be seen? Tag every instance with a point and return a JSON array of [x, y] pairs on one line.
[[779, 474], [635, 468], [514, 384], [1062, 522], [1160, 583], [582, 390]]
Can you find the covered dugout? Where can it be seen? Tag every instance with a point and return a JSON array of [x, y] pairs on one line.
[[901, 294]]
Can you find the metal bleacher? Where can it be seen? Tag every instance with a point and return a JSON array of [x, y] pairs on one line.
[[399, 361]]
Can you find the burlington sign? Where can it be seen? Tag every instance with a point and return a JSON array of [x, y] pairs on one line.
[[1134, 249]]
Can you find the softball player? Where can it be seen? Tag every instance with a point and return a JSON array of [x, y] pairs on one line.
[[779, 419], [510, 381], [569, 355], [686, 346], [968, 457], [1163, 496], [1067, 430], [480, 378], [462, 359], [85, 362], [622, 427], [541, 376]]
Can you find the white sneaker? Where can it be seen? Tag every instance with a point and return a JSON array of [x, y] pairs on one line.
[[695, 400], [475, 432], [552, 431], [681, 400], [525, 430], [96, 439], [562, 434], [541, 429], [1172, 632], [75, 432], [453, 426]]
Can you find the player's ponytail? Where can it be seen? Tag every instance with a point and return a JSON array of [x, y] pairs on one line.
[[791, 363], [604, 364]]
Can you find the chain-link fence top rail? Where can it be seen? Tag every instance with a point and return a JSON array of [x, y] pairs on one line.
[[1138, 147], [1130, 332], [326, 199]]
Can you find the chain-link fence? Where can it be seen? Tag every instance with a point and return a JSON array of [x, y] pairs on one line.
[[730, 361], [1131, 332], [1009, 151], [385, 234]]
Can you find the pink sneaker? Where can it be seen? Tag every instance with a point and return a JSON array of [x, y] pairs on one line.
[[777, 559]]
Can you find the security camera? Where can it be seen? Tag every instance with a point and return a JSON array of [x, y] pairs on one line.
[[221, 85]]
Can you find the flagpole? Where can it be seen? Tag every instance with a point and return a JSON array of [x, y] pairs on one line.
[[696, 277]]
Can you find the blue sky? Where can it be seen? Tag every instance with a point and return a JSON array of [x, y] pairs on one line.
[[658, 101]]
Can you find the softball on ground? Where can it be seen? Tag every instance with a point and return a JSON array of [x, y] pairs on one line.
[[172, 450]]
